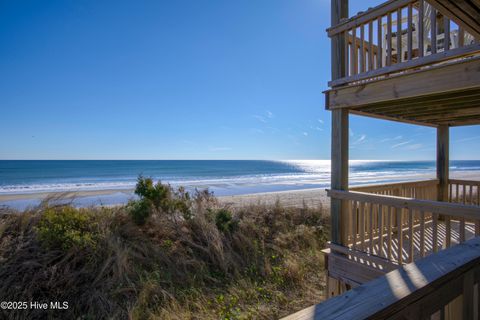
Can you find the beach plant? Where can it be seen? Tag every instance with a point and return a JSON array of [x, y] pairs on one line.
[[66, 227], [224, 221], [199, 261], [139, 210]]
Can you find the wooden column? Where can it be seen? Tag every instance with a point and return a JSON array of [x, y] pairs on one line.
[[339, 173], [339, 11], [339, 156], [442, 162]]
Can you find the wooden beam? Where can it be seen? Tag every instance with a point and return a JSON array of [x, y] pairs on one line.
[[461, 12], [453, 209], [452, 77], [407, 65], [443, 142], [339, 11], [390, 118], [339, 172]]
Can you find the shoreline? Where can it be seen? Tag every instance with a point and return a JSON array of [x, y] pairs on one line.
[[295, 197]]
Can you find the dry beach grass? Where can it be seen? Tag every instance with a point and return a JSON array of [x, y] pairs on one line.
[[257, 261]]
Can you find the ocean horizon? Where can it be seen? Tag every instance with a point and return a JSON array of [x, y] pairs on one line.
[[222, 177]]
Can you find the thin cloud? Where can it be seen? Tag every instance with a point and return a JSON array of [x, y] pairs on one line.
[[414, 146], [269, 114], [392, 139], [320, 121], [260, 118], [305, 134], [401, 144], [468, 139]]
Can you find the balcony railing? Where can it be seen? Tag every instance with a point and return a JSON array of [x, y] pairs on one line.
[[402, 222], [441, 286], [397, 36]]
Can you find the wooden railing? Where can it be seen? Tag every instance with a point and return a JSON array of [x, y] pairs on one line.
[[441, 286], [402, 229], [397, 36], [464, 191], [424, 190]]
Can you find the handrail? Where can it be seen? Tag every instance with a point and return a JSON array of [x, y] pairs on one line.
[[417, 183], [368, 15], [466, 182], [418, 289], [452, 209]]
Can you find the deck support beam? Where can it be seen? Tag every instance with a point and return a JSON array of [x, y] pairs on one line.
[[442, 162], [339, 180], [339, 158]]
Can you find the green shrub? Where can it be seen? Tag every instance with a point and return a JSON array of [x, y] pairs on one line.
[[161, 198], [67, 227], [139, 210], [159, 194], [224, 221]]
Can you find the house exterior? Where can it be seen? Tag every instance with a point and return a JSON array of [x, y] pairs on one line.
[[416, 62]]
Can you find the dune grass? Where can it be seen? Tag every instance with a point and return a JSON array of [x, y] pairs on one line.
[[186, 257]]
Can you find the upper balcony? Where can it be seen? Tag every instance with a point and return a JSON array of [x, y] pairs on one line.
[[405, 60]]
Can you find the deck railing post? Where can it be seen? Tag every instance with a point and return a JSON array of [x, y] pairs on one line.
[[339, 164], [339, 11], [442, 162]]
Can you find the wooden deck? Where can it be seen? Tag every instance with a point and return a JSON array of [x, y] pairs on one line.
[[409, 61], [386, 226], [377, 258]]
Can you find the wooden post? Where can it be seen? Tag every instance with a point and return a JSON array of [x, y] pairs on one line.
[[339, 11], [339, 180], [442, 162], [339, 158]]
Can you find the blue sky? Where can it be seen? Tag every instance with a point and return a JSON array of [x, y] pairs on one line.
[[186, 79]]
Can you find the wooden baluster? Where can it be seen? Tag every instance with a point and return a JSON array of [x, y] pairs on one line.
[[470, 202], [389, 234], [371, 65], [347, 50], [422, 233], [389, 39], [435, 232], [399, 216], [379, 43], [448, 231], [399, 35], [410, 31], [450, 186], [478, 196], [353, 53], [354, 224], [371, 228], [362, 48], [362, 226], [446, 39], [433, 30], [421, 13], [410, 235], [461, 37], [457, 196], [380, 228]]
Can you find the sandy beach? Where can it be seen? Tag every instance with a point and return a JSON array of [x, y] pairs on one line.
[[291, 198]]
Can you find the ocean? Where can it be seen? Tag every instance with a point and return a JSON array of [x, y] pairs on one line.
[[223, 177]]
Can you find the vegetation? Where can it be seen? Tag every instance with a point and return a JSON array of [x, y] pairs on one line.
[[167, 255]]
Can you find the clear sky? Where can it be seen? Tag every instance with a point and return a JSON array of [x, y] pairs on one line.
[[183, 79]]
